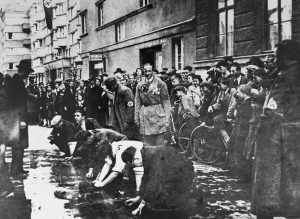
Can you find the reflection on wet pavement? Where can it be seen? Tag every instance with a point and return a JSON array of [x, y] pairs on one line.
[[55, 188], [224, 197]]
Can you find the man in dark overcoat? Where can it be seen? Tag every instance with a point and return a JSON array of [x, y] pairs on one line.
[[65, 104], [123, 108], [276, 183], [16, 114]]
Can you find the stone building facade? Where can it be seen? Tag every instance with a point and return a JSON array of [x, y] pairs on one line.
[[242, 28], [14, 36], [55, 52], [39, 41], [128, 34]]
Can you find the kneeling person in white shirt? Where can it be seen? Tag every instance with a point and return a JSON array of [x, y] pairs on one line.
[[114, 152]]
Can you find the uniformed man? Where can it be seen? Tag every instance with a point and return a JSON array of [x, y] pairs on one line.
[[152, 108]]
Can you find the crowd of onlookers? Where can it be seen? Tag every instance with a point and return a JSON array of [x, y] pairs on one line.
[[228, 93], [64, 97], [260, 98]]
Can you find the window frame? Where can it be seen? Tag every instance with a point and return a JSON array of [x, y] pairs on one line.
[[266, 25], [120, 31], [10, 35], [225, 9], [144, 3], [100, 14], [11, 66], [175, 47], [83, 19]]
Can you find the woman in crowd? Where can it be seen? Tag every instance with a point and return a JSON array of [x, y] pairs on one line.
[[51, 97], [194, 90], [42, 100]]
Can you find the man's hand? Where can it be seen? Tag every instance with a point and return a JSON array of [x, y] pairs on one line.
[[229, 121], [98, 184], [138, 124], [139, 208], [90, 173], [210, 109], [126, 125], [68, 158], [132, 201]]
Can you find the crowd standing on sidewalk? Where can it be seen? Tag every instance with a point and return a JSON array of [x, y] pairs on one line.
[[262, 102]]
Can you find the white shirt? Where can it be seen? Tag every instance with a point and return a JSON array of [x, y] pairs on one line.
[[118, 148]]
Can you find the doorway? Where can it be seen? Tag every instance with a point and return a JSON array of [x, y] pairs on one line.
[[152, 55]]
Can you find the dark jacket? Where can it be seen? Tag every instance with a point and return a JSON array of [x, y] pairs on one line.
[[16, 112], [60, 136], [32, 100], [65, 105], [97, 105], [92, 146], [235, 83], [90, 124], [276, 169], [238, 137], [167, 179], [123, 108]]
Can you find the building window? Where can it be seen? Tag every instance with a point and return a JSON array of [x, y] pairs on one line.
[[71, 13], [178, 53], [39, 25], [10, 66], [120, 31], [73, 38], [10, 36], [225, 36], [41, 61], [60, 9], [83, 23], [54, 12], [100, 14], [144, 3], [62, 31], [40, 43], [278, 22]]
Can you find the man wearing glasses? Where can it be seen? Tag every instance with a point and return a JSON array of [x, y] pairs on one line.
[[152, 107]]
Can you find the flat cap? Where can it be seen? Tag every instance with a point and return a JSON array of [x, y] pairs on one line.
[[56, 119]]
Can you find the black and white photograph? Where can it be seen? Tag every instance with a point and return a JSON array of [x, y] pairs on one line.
[[149, 109]]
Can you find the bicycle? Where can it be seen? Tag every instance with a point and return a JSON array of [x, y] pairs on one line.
[[208, 144]]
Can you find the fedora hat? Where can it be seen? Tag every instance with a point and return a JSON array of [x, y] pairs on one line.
[[118, 70], [25, 65]]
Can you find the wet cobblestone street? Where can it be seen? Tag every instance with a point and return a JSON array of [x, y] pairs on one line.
[[51, 189]]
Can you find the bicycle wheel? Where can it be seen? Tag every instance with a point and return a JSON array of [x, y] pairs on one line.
[[183, 138], [205, 145]]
